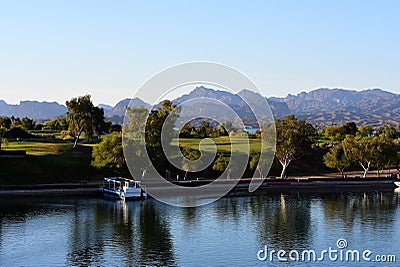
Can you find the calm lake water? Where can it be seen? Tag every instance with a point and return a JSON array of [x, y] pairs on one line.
[[229, 232]]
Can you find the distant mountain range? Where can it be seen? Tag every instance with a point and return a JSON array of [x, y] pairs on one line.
[[32, 109], [321, 106], [336, 106]]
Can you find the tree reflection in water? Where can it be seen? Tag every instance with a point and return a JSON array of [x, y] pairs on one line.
[[284, 221], [133, 231], [95, 232], [375, 208], [155, 237]]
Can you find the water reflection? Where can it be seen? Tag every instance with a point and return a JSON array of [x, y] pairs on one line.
[[155, 238], [96, 232], [283, 221], [93, 231], [133, 231], [376, 209]]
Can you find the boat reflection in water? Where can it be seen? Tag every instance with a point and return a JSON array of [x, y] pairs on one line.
[[130, 232], [230, 231]]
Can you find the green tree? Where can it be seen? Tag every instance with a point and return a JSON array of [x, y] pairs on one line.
[[385, 152], [108, 154], [57, 124], [334, 133], [186, 130], [350, 128], [135, 123], [192, 155], [221, 162], [160, 120], [82, 117], [224, 128], [134, 140], [233, 164], [261, 166], [336, 158], [97, 123], [115, 128], [134, 137], [38, 127], [292, 140], [362, 152], [3, 131], [142, 132], [366, 130], [157, 122], [27, 123], [107, 127], [205, 129], [18, 132], [5, 122], [377, 151], [389, 131], [15, 122]]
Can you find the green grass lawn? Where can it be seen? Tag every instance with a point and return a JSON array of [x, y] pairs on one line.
[[55, 161], [224, 144], [46, 163]]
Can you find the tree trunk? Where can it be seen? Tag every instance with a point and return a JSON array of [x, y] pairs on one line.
[[76, 141], [365, 172], [285, 163], [284, 166], [342, 172], [366, 169], [77, 138]]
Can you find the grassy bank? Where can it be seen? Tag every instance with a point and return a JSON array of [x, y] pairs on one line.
[[47, 162], [56, 161]]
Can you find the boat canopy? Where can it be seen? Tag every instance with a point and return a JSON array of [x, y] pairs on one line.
[[120, 180]]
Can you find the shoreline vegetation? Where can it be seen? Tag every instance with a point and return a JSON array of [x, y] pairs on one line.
[[83, 147]]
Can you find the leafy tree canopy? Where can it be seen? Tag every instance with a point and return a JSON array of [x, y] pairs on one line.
[[83, 116], [293, 140], [108, 154]]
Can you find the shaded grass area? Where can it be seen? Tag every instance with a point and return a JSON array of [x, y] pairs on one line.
[[56, 161], [47, 163], [310, 164]]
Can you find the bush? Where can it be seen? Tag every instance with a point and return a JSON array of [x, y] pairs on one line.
[[48, 136], [17, 132], [108, 154]]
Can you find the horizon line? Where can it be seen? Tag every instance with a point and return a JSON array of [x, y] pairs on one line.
[[271, 96]]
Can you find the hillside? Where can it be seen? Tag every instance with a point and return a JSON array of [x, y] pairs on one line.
[[336, 106], [322, 106], [32, 109]]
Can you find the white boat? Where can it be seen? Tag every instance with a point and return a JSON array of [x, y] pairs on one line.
[[122, 188], [397, 183]]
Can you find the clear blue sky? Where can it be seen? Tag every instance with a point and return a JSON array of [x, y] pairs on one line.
[[55, 50]]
